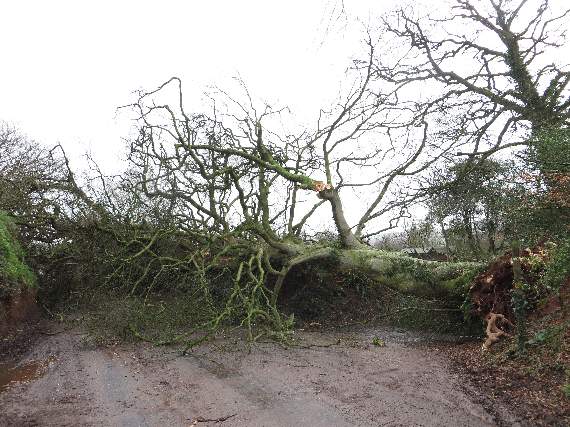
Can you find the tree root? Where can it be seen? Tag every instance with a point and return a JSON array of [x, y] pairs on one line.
[[494, 332]]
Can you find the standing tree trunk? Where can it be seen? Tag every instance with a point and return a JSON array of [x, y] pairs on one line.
[[445, 238], [491, 229], [468, 228], [347, 237], [518, 297]]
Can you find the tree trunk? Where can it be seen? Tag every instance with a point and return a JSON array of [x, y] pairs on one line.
[[518, 296], [430, 279], [347, 237], [468, 227], [491, 229], [445, 238]]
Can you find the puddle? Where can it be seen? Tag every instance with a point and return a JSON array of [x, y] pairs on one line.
[[11, 374]]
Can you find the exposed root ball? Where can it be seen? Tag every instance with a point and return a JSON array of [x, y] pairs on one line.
[[491, 295]]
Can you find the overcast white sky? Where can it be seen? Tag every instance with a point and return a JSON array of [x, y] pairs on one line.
[[67, 65]]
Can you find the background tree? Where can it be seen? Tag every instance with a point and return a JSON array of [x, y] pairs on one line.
[[420, 235], [471, 202], [491, 82], [540, 209]]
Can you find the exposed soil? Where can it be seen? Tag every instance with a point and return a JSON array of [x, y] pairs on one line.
[[327, 379], [20, 325], [17, 340], [16, 310]]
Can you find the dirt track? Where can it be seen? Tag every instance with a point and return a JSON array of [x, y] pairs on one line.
[[349, 384]]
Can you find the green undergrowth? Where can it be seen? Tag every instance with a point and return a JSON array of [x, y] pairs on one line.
[[557, 269], [160, 320], [546, 355], [432, 315], [313, 292], [195, 312], [14, 272], [321, 294]]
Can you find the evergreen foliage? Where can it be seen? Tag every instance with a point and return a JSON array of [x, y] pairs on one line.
[[14, 272]]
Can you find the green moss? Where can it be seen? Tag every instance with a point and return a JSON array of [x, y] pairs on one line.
[[416, 276], [304, 181], [378, 342], [13, 270]]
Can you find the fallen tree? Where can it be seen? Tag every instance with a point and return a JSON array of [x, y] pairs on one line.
[[247, 193], [231, 192], [236, 175]]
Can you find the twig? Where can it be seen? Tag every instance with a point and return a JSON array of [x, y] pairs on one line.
[[56, 332], [212, 420]]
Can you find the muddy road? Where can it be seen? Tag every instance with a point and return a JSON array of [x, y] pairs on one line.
[[330, 379]]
